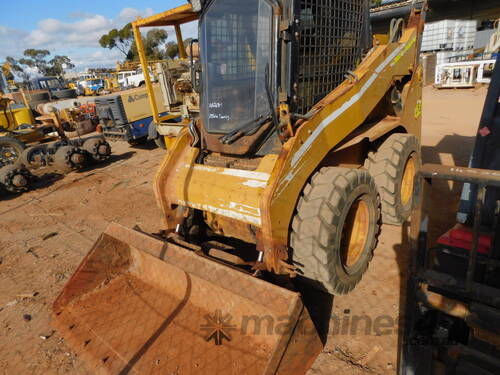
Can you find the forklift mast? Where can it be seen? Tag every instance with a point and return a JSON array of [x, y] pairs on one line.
[[452, 315]]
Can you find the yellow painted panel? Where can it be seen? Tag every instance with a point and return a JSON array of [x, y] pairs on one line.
[[16, 117], [330, 126], [136, 103], [232, 193]]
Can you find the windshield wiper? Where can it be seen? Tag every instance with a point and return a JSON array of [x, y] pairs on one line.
[[253, 126], [249, 128], [269, 96]]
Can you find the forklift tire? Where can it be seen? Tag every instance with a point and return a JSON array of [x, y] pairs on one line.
[[335, 229], [10, 150], [393, 167]]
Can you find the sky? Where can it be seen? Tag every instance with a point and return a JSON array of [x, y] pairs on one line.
[[74, 27]]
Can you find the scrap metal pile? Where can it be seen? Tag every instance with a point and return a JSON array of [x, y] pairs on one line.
[[62, 156], [36, 133]]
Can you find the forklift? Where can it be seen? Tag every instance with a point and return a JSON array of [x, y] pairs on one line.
[[452, 318]]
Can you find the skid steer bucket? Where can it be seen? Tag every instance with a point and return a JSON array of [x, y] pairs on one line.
[[140, 305]]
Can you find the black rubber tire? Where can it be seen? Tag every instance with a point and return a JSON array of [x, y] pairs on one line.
[[317, 227], [93, 147], [13, 143], [387, 167], [8, 175], [62, 158], [29, 154], [160, 142], [138, 141]]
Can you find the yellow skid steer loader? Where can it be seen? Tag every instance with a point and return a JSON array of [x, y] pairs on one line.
[[307, 138]]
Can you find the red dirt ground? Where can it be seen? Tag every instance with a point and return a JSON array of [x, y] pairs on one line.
[[46, 232]]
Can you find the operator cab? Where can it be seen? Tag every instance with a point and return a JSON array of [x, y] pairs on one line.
[[261, 55]]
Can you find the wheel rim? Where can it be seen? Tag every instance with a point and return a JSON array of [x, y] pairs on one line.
[[8, 154], [408, 181], [355, 233]]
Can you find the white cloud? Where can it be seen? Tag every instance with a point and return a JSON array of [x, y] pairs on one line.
[[83, 32], [131, 14], [77, 37], [10, 41]]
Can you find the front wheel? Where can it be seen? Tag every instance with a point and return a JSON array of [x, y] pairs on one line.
[[335, 229]]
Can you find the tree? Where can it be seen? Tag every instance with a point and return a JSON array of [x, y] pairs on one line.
[[154, 44], [123, 40], [59, 65], [11, 68], [120, 39], [38, 59], [172, 50]]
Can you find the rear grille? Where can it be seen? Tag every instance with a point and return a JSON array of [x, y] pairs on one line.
[[111, 106], [332, 38]]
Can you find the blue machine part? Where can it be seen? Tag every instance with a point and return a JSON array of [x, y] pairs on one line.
[[96, 87], [138, 131]]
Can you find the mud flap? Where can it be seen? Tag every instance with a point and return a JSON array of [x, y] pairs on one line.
[[139, 305]]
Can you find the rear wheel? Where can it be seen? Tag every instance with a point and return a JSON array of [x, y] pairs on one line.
[[335, 229], [394, 167]]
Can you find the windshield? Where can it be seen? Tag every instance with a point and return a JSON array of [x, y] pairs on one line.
[[54, 84], [95, 82], [236, 39]]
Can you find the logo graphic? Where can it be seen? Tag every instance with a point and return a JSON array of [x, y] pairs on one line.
[[136, 97], [217, 326], [418, 109]]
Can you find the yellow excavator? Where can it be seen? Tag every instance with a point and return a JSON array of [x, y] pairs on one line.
[[306, 140]]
